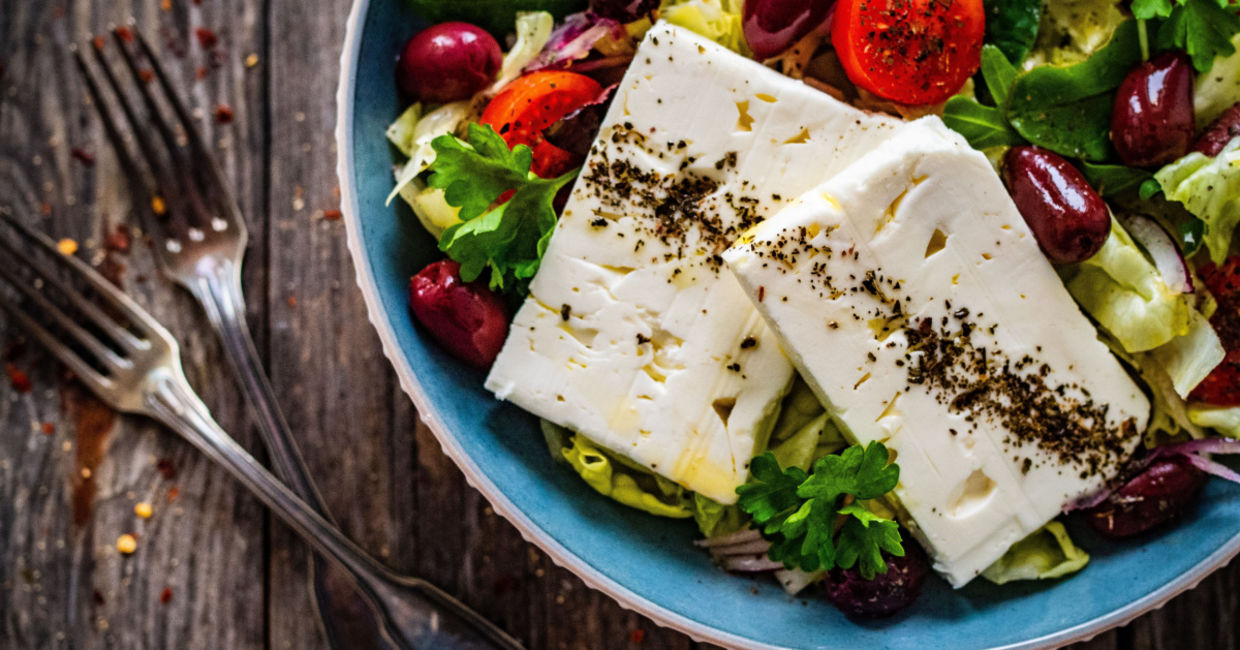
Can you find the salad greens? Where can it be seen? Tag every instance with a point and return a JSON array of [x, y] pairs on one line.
[[1210, 189], [718, 20], [1047, 553], [509, 238], [798, 512], [1012, 26], [1217, 90], [1202, 28], [493, 15], [1122, 290]]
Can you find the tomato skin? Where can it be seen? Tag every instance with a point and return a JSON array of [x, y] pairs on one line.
[[1222, 386], [528, 106], [909, 51]]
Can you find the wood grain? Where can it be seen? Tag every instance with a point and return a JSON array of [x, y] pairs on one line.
[[212, 569]]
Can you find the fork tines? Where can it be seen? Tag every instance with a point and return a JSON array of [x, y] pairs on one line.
[[188, 192], [89, 324]]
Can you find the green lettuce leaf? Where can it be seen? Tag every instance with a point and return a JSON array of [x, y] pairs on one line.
[[1224, 419], [1122, 290], [1210, 189], [1189, 358], [714, 518], [533, 32], [718, 20], [1072, 30], [649, 492], [1047, 553], [495, 16], [1219, 88]]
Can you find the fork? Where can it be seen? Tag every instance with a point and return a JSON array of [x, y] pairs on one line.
[[133, 364], [199, 238]]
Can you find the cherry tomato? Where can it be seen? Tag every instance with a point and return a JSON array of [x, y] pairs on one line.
[[1222, 386], [528, 106], [909, 51]]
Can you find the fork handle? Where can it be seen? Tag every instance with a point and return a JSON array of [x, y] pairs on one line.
[[416, 607]]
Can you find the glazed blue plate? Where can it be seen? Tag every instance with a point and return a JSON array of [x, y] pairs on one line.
[[649, 564]]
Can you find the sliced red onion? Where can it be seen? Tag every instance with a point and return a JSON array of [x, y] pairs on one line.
[[1163, 250], [756, 547], [1211, 467], [739, 537], [1089, 500], [574, 39], [1204, 446], [751, 564]]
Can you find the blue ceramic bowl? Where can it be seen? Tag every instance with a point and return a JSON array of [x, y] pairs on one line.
[[649, 564]]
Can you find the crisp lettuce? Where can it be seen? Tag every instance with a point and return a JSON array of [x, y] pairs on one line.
[[644, 491], [1125, 293], [714, 518], [533, 31], [1224, 419], [1218, 89], [804, 431], [718, 20], [413, 132], [1210, 189], [1189, 358], [1071, 30], [1047, 553]]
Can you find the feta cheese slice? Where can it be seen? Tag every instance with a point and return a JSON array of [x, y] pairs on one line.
[[915, 301], [633, 334]]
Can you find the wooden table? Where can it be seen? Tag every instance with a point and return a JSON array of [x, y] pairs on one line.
[[212, 568]]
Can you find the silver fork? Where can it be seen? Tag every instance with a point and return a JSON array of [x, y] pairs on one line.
[[199, 237], [133, 364]]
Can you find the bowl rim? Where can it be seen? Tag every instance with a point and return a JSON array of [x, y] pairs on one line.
[[530, 531]]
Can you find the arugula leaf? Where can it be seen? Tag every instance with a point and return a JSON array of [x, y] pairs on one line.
[[1012, 26], [811, 521], [998, 73], [1068, 109], [982, 126], [1202, 28], [509, 238], [1111, 180]]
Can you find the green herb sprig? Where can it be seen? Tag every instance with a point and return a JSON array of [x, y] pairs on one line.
[[813, 521], [508, 237]]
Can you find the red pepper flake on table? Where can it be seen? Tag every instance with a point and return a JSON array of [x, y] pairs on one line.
[[18, 379]]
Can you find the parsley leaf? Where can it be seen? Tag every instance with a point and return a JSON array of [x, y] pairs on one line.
[[812, 520], [1202, 28], [1012, 26], [509, 238]]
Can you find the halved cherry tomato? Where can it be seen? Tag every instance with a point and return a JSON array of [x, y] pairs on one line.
[[528, 106], [1222, 386], [909, 51]]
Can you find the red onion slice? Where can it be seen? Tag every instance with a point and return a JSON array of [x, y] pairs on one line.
[[751, 564], [1211, 467], [739, 537], [1204, 446], [1163, 250], [756, 547]]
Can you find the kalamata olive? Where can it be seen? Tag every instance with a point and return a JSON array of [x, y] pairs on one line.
[[1152, 119], [888, 592], [467, 318], [1157, 495], [447, 63], [772, 26], [624, 11], [1068, 218], [1220, 132]]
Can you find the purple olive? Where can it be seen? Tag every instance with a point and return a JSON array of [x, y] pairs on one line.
[[447, 63], [1220, 132], [1155, 496], [1068, 218], [624, 11], [1152, 119], [467, 318], [888, 592], [772, 26]]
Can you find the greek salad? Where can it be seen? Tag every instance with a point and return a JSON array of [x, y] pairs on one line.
[[867, 289]]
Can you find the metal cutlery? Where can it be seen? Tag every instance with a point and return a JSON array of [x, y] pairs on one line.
[[199, 237]]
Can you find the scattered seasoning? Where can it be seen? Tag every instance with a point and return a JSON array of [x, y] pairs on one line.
[[127, 544], [118, 241], [173, 493], [18, 379], [749, 342], [223, 114], [158, 206], [67, 246], [565, 312], [83, 156], [124, 33], [143, 510], [251, 60], [165, 596], [166, 468], [332, 215], [97, 596], [292, 301], [637, 635], [206, 38], [48, 429], [146, 75], [98, 42]]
